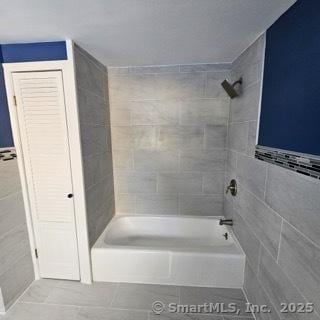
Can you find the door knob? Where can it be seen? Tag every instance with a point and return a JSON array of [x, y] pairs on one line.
[[70, 195]]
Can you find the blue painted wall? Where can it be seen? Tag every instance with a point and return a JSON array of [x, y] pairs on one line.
[[290, 110], [24, 52]]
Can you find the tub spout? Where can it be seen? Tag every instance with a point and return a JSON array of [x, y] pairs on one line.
[[227, 222]]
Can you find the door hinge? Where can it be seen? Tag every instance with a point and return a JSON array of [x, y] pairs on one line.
[[36, 253], [15, 100]]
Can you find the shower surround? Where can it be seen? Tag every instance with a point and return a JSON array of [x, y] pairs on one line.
[[169, 128]]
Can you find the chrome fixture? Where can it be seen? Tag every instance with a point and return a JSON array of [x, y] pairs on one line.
[[230, 87], [226, 235], [226, 222], [232, 187]]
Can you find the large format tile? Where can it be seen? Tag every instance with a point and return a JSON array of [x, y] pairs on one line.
[[78, 294], [12, 212], [278, 287], [263, 221], [141, 296], [125, 203], [159, 161], [180, 85], [296, 198], [16, 279], [135, 182], [203, 161], [14, 244], [246, 106], [238, 136], [199, 112], [248, 241], [39, 291], [89, 313], [199, 296], [154, 112], [122, 159], [213, 183], [30, 311], [157, 204], [257, 296], [93, 139], [300, 259], [9, 177], [252, 174], [201, 205], [186, 182], [134, 137], [214, 89], [215, 136], [181, 137]]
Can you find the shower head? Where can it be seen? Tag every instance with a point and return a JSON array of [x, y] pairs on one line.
[[230, 88]]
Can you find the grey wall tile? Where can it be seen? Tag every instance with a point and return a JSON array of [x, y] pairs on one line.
[[12, 212], [249, 242], [296, 198], [256, 295], [214, 89], [135, 182], [155, 112], [204, 111], [277, 285], [252, 138], [155, 69], [120, 116], [187, 182], [180, 85], [132, 87], [93, 139], [238, 136], [122, 159], [9, 177], [134, 137], [252, 174], [201, 205], [299, 259], [246, 106], [213, 183], [203, 161], [92, 108], [181, 137], [16, 279], [231, 161], [150, 204], [14, 244], [125, 203], [159, 161], [215, 136], [264, 223], [205, 67]]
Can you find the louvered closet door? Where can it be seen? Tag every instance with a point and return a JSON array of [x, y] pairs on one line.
[[44, 137]]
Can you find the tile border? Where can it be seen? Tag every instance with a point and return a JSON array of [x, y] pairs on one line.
[[307, 165]]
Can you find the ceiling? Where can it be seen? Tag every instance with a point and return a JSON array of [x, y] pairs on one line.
[[143, 32]]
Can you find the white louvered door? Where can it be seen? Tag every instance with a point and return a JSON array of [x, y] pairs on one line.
[[41, 112]]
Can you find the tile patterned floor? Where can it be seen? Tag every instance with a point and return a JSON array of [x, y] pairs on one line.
[[67, 300]]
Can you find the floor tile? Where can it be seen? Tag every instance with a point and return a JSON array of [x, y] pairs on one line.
[[39, 290], [33, 311], [89, 313], [141, 296], [78, 294]]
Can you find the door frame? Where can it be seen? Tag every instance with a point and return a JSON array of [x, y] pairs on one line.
[[67, 67]]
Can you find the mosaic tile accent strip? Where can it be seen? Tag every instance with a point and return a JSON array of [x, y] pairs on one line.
[[7, 154], [303, 164]]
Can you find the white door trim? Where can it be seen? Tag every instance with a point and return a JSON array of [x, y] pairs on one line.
[[68, 71]]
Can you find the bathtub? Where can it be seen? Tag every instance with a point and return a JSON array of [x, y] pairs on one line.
[[175, 250]]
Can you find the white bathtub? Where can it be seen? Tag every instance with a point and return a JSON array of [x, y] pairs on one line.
[[168, 250]]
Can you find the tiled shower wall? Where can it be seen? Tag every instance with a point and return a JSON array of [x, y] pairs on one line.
[[169, 127], [94, 113], [16, 267], [276, 212]]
